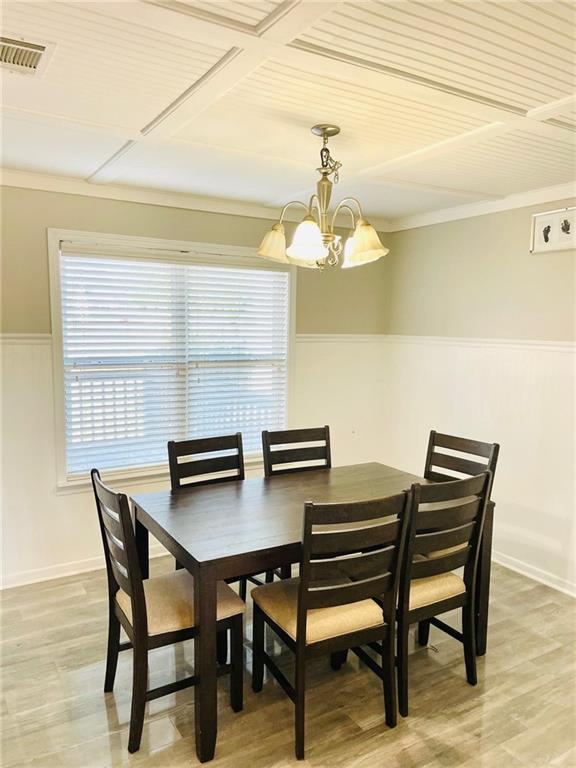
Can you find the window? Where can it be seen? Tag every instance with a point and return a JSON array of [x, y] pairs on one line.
[[161, 345]]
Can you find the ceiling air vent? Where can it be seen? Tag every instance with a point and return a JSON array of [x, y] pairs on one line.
[[22, 56]]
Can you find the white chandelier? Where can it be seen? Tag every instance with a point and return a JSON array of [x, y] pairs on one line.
[[315, 244]]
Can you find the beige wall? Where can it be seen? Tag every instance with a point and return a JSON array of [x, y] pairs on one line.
[[477, 278], [331, 302], [470, 278]]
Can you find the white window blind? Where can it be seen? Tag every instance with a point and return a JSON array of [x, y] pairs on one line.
[[168, 350]]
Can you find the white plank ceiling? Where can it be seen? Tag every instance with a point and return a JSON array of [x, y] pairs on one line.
[[441, 102]]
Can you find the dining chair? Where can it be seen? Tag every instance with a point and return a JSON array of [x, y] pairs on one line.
[[331, 607], [467, 458], [291, 447], [190, 469], [154, 612], [444, 532]]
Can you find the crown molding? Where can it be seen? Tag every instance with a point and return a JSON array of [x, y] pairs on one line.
[[71, 186], [148, 196], [471, 210]]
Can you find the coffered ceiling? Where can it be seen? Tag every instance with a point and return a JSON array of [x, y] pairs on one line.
[[441, 102]]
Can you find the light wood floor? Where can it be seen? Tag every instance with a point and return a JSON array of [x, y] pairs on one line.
[[521, 713]]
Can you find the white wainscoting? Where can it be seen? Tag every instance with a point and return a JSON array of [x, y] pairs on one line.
[[49, 533], [519, 394], [381, 395]]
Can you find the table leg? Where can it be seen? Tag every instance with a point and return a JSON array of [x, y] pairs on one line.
[[205, 709], [483, 581], [142, 547], [286, 571]]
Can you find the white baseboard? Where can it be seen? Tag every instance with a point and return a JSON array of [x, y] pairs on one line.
[[60, 570], [537, 574]]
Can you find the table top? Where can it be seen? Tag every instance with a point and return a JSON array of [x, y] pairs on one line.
[[233, 519]]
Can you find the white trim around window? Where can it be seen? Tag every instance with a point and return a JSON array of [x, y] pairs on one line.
[[143, 250]]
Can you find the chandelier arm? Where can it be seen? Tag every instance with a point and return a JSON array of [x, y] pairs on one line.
[[356, 202], [292, 202], [343, 206]]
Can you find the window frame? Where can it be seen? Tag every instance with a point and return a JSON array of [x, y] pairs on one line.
[[210, 254]]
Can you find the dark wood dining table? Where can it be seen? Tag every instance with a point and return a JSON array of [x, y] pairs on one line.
[[228, 530]]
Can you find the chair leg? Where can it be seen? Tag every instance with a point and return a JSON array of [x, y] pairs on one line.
[[242, 589], [257, 649], [269, 577], [338, 658], [237, 664], [286, 572], [222, 647], [469, 636], [178, 565], [423, 632], [403, 667], [113, 650], [139, 684], [389, 679], [299, 702]]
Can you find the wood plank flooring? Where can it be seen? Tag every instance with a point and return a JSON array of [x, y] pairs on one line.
[[522, 713]]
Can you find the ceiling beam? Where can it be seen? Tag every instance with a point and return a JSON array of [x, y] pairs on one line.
[[531, 124], [276, 37], [292, 18], [552, 109]]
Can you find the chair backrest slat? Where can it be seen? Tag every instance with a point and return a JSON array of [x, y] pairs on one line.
[[436, 516], [436, 540], [433, 566], [119, 544], [458, 464], [111, 521], [438, 477], [207, 466], [353, 539], [459, 491], [121, 576], [464, 445], [319, 454], [351, 552], [286, 436], [187, 461], [468, 457], [292, 455], [355, 566], [117, 550], [444, 531]]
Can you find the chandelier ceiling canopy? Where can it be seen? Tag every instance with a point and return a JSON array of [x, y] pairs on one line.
[[315, 243]]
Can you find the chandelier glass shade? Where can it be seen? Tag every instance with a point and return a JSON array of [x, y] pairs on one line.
[[315, 243]]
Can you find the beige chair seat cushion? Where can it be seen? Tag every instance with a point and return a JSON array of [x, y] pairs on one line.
[[280, 602], [170, 602], [433, 589]]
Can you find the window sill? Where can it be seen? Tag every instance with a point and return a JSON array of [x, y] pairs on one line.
[[136, 477]]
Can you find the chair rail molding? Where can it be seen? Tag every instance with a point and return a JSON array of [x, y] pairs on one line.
[[446, 341], [26, 338]]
